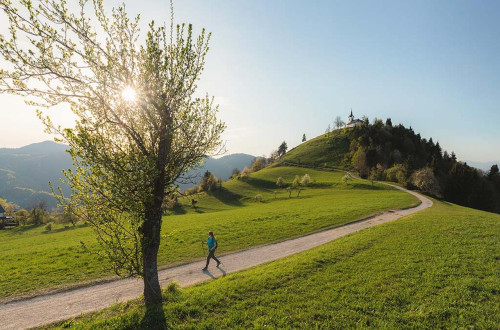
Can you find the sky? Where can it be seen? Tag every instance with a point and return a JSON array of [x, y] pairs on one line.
[[283, 68]]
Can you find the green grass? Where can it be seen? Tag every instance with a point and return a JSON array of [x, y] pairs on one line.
[[34, 260], [325, 150], [439, 268]]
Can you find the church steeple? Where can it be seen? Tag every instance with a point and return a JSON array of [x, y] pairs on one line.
[[350, 119]]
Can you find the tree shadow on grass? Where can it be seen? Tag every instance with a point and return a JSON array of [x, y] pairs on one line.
[[264, 184], [21, 229], [259, 183], [322, 185], [227, 197], [58, 230], [370, 186], [179, 210], [154, 318]]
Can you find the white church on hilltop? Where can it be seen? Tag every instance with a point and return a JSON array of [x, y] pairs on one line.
[[351, 121]]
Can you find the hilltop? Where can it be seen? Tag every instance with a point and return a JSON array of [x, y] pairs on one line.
[[395, 153]]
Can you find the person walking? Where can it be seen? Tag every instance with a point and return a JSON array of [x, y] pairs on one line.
[[212, 246]]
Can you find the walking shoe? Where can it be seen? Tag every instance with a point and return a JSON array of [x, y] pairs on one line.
[[204, 269]]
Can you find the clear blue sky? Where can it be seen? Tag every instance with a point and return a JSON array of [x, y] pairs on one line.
[[283, 68]]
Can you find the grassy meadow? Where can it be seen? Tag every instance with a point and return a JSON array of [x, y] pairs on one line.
[[330, 150], [34, 260], [439, 268]]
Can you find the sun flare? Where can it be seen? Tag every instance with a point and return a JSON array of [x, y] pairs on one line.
[[128, 94]]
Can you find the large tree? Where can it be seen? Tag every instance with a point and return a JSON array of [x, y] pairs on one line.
[[139, 126]]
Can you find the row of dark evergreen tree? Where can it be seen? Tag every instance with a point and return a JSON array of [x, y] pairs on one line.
[[381, 150]]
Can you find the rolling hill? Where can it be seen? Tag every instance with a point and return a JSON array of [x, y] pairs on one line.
[[396, 153]]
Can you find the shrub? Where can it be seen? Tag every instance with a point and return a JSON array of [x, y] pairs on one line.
[[425, 180], [273, 157], [401, 177], [235, 174], [346, 178], [258, 198], [22, 216], [245, 172], [38, 213], [305, 180], [258, 164], [296, 182], [280, 182], [373, 175], [69, 215], [208, 183], [48, 227], [396, 173]]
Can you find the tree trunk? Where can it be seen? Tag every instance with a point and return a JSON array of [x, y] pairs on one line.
[[152, 225], [152, 290], [150, 246]]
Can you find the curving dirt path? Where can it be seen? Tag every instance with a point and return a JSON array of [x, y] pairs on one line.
[[51, 308]]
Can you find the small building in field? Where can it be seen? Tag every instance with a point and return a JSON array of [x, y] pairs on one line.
[[351, 121]]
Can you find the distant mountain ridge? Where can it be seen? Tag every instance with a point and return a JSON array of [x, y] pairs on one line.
[[40, 148], [25, 172]]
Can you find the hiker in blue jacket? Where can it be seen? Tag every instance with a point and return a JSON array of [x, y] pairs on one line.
[[212, 246]]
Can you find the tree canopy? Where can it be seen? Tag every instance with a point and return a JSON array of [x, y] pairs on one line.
[[282, 149], [139, 125]]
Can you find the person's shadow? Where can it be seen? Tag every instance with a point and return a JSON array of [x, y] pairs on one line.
[[212, 276], [206, 271], [222, 271]]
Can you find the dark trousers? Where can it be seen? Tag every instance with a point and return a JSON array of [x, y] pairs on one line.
[[211, 254]]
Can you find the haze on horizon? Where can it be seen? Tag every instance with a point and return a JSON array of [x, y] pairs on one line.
[[283, 68]]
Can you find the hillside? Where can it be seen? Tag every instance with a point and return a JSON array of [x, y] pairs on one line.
[[435, 269], [330, 150], [232, 213], [25, 172], [396, 153]]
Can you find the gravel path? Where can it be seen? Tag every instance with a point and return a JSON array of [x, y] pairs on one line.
[[50, 308]]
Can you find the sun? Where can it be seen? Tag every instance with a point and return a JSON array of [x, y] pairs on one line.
[[128, 94]]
